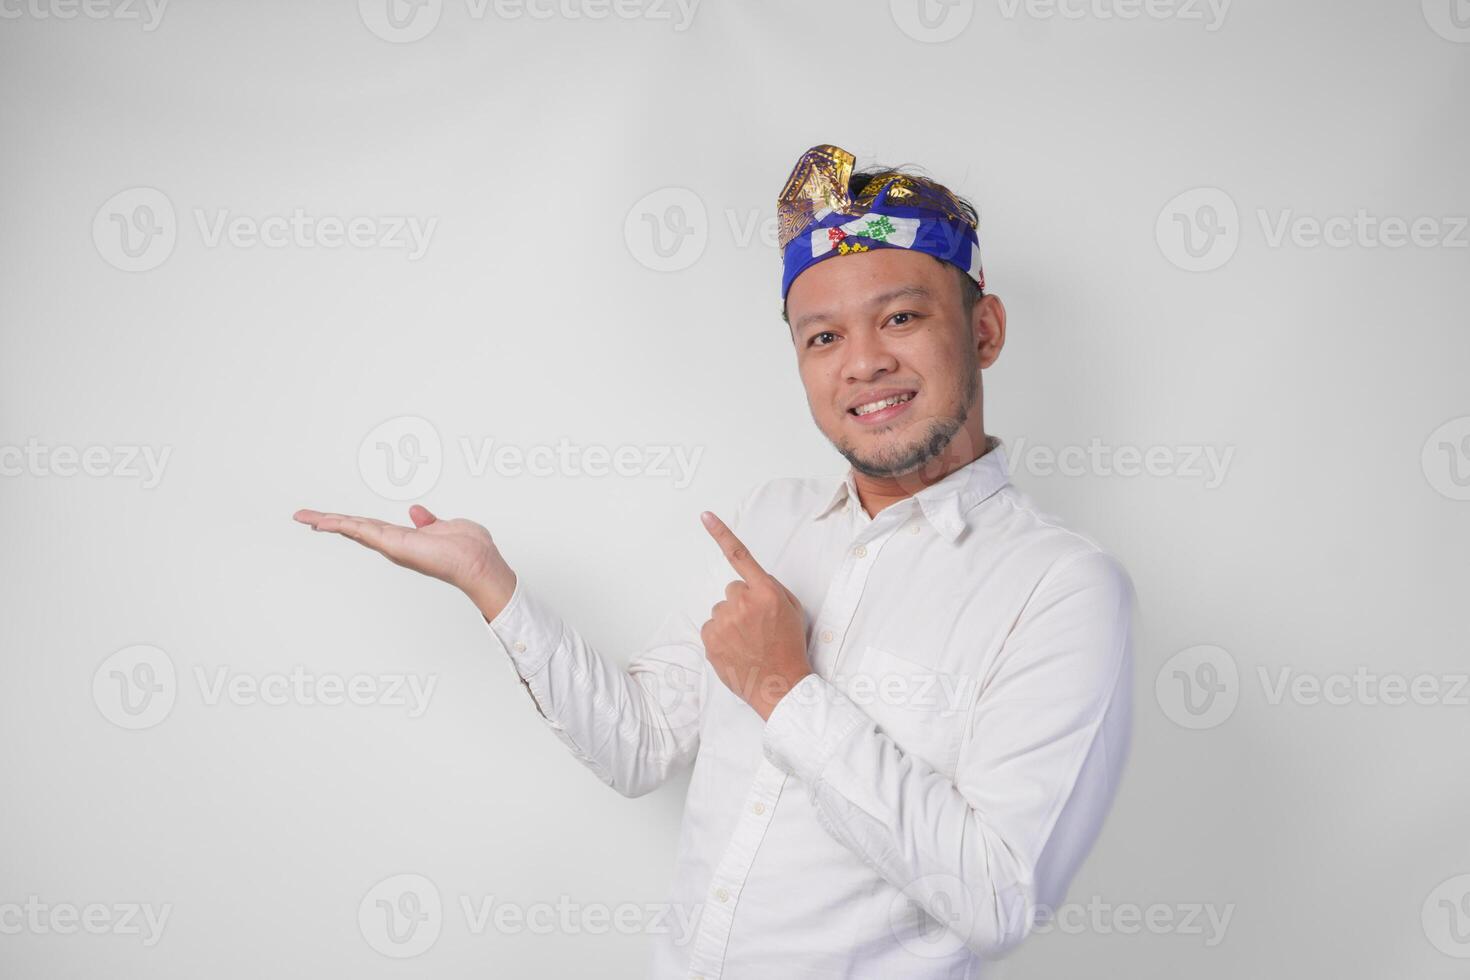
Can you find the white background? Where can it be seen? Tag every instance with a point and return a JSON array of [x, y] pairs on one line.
[[541, 311]]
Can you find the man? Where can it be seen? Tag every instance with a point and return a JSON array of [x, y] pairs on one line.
[[909, 709]]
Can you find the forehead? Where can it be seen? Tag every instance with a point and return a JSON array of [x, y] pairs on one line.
[[850, 283]]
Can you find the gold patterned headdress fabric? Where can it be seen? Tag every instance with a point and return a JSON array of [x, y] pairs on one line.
[[890, 209]]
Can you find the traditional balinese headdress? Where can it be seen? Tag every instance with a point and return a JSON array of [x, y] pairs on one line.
[[819, 216]]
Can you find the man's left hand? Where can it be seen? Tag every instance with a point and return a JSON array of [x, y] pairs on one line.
[[756, 638]]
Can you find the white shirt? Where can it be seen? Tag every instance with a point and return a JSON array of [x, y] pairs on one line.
[[909, 806]]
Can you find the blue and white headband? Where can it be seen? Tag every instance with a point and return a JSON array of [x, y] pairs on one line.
[[819, 217]]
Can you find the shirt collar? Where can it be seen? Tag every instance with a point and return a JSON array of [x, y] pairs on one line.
[[945, 503]]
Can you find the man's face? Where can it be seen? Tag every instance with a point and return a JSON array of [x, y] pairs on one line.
[[889, 357]]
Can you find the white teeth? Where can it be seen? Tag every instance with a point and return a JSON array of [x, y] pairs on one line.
[[871, 407]]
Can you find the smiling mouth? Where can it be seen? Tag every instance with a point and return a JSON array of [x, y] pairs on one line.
[[881, 405]]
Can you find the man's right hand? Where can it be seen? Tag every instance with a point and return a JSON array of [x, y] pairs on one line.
[[456, 551]]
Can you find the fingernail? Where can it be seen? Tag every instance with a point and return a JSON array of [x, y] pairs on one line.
[[707, 519]]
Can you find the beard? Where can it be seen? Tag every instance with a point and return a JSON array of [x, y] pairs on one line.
[[912, 454]]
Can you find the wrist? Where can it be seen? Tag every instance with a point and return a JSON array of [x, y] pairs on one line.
[[492, 595], [775, 691]]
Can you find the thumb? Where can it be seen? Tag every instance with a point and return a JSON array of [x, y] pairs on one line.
[[420, 516]]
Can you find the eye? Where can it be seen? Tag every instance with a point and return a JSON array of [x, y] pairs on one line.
[[899, 319], [822, 339]]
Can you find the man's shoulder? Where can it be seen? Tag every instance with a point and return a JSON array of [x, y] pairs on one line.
[[1048, 543]]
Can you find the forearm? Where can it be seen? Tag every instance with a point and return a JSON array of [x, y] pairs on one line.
[[979, 850], [632, 727], [908, 822]]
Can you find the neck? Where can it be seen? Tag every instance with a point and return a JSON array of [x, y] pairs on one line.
[[878, 492]]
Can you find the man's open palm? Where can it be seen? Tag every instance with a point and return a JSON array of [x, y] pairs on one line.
[[456, 551]]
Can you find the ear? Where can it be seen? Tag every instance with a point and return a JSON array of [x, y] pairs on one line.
[[988, 326]]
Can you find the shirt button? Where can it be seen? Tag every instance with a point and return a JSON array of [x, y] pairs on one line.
[[722, 894], [520, 647], [913, 529], [759, 808], [860, 551], [826, 636]]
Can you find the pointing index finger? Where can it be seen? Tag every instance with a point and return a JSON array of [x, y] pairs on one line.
[[736, 553]]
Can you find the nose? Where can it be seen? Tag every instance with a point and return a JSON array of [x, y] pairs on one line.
[[868, 357]]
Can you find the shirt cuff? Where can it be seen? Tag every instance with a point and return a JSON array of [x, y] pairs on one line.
[[807, 726], [528, 629]]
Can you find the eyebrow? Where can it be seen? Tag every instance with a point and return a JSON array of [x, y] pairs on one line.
[[915, 291]]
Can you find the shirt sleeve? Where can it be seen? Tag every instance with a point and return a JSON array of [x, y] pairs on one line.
[[634, 726], [1041, 758]]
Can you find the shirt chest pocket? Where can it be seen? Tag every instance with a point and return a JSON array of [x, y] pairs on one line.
[[920, 707]]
